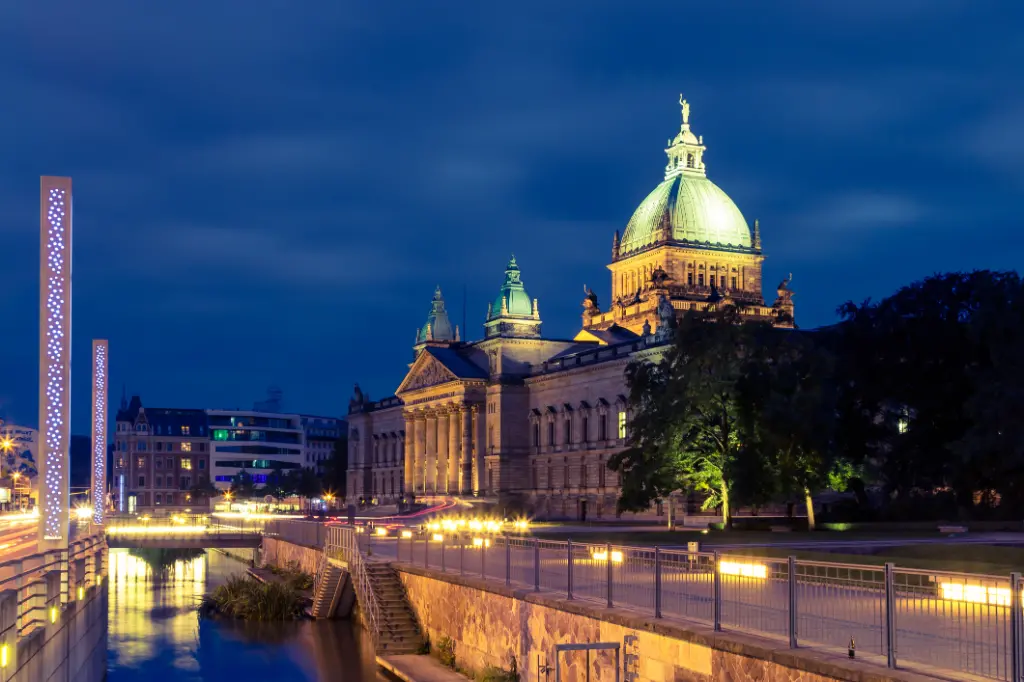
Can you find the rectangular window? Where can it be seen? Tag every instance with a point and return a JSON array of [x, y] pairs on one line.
[[568, 431], [622, 424], [120, 462], [159, 446], [142, 481], [186, 463], [689, 278], [723, 281], [585, 436], [202, 464], [158, 498], [184, 430], [159, 462], [536, 435], [186, 482], [159, 482], [733, 282], [551, 433], [602, 427], [535, 478], [700, 279], [141, 446], [186, 447], [140, 462], [170, 462]]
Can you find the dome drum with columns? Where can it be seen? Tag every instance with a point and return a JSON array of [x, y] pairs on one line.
[[526, 421]]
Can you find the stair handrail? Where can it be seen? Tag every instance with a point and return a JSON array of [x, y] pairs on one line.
[[318, 577], [343, 544]]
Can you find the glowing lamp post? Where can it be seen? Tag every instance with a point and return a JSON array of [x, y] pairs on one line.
[[100, 355], [54, 359]]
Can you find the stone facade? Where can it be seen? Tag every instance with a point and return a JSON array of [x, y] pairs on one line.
[[492, 624], [529, 422]]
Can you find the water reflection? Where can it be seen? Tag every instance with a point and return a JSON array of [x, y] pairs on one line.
[[156, 635]]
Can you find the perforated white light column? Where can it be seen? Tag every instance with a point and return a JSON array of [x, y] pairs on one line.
[[54, 358], [100, 355]]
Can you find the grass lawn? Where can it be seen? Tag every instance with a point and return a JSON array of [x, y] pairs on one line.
[[964, 558]]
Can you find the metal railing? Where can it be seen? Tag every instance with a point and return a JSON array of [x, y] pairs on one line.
[[297, 531], [970, 624], [342, 542]]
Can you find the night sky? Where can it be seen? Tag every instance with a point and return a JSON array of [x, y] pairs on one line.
[[266, 193]]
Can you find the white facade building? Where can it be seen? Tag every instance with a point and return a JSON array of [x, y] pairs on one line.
[[256, 442]]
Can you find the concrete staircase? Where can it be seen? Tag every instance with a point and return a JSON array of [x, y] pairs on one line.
[[399, 632], [328, 591]]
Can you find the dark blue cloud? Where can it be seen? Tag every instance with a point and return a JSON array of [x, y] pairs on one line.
[[268, 192]]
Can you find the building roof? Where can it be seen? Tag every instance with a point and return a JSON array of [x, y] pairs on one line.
[[164, 420], [457, 363]]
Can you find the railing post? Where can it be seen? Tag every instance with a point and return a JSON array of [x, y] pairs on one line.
[[1015, 628], [536, 564], [608, 563], [792, 602], [426, 550], [462, 554], [442, 553], [483, 558], [657, 582], [568, 556], [717, 586], [890, 614], [508, 562]]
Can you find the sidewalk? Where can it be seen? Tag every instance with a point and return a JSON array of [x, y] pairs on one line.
[[413, 668]]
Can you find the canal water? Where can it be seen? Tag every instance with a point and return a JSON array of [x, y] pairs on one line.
[[156, 635]]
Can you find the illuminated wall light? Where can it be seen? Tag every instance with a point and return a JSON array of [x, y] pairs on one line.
[[381, 532], [438, 537], [54, 355], [100, 355], [975, 594], [53, 614], [406, 534], [603, 556], [81, 593], [743, 570], [5, 655]]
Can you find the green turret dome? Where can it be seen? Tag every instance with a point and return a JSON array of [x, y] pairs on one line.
[[512, 299], [686, 206]]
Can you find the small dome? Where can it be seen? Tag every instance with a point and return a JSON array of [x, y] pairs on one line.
[[437, 327], [697, 211], [512, 295]]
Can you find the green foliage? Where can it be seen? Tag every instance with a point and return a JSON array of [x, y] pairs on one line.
[[446, 652], [493, 673], [246, 598], [242, 486], [424, 648], [293, 576]]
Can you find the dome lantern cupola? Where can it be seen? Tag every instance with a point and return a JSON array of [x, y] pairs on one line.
[[686, 150], [438, 328]]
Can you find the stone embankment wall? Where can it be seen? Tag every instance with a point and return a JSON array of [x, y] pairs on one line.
[[73, 648], [280, 553], [490, 624]]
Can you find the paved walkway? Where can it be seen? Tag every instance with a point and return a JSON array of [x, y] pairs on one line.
[[413, 668]]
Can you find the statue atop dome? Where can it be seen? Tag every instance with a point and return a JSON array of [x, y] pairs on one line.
[[686, 110]]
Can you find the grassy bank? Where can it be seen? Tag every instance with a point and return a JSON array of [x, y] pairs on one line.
[[247, 598]]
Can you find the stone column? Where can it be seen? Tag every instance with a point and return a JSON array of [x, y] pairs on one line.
[[442, 451], [454, 443], [480, 439], [430, 468], [466, 452], [409, 464], [419, 448]]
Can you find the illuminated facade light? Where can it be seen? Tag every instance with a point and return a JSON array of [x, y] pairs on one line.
[[743, 569], [100, 360], [55, 209]]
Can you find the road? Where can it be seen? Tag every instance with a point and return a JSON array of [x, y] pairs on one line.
[[17, 538]]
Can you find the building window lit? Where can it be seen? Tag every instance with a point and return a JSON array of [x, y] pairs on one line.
[[622, 424], [733, 282], [184, 430], [120, 462], [186, 463], [158, 498], [700, 279], [186, 447], [140, 461]]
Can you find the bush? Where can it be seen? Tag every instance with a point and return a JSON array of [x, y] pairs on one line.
[[246, 598], [446, 652], [294, 576], [493, 673]]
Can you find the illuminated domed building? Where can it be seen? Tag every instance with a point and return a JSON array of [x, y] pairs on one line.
[[529, 421]]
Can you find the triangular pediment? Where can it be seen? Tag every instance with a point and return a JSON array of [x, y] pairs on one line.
[[427, 371]]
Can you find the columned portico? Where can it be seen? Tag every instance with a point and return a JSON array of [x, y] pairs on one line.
[[430, 470], [408, 460], [479, 445], [453, 464], [441, 482], [419, 452]]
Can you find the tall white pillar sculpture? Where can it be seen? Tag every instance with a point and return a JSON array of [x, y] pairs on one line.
[[54, 359], [100, 364]]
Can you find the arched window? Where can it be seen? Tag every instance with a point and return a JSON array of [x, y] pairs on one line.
[[689, 161]]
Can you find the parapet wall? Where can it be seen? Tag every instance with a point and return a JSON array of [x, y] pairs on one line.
[[282, 554], [490, 624], [73, 648]]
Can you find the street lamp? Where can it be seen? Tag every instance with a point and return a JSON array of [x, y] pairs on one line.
[[329, 499], [14, 493], [6, 444]]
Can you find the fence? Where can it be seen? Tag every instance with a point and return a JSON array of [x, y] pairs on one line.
[[958, 622], [343, 543], [297, 531]]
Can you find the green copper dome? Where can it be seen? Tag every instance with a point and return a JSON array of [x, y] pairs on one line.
[[512, 295], [696, 210], [687, 207]]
